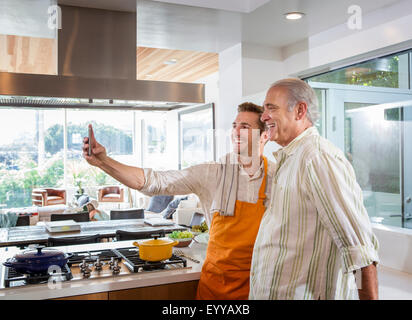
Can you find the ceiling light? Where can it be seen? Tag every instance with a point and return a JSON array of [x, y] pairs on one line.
[[171, 61], [294, 15]]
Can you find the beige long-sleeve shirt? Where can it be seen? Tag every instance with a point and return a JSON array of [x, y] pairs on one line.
[[202, 180]]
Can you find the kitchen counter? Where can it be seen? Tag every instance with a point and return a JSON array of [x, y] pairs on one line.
[[393, 284], [107, 284]]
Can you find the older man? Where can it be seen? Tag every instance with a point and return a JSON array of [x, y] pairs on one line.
[[315, 238], [233, 194]]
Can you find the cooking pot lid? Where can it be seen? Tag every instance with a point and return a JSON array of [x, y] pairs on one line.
[[39, 254], [156, 242]]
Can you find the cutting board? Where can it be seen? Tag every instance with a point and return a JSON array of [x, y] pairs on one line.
[[62, 226]]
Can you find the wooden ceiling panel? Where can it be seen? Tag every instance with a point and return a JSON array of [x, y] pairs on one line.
[[190, 66], [36, 55], [27, 55]]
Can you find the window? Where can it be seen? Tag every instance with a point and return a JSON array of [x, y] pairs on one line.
[[42, 148], [112, 129], [366, 111], [31, 153], [196, 136], [320, 124], [154, 141], [389, 72]]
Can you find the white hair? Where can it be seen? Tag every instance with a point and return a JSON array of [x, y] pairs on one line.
[[300, 91]]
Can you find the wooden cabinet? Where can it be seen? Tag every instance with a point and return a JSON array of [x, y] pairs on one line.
[[92, 296], [172, 291]]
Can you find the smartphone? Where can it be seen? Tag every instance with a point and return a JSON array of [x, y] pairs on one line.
[[89, 153]]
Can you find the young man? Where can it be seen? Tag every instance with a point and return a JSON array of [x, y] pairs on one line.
[[316, 232], [233, 193]]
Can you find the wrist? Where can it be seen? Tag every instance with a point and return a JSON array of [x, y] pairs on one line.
[[102, 162]]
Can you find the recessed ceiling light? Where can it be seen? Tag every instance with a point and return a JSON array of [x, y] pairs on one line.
[[171, 61], [294, 15]]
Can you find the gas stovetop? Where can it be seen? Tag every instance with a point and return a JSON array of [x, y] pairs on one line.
[[95, 264], [135, 264], [12, 278]]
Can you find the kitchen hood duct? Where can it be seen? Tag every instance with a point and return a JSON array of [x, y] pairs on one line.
[[96, 61], [97, 43]]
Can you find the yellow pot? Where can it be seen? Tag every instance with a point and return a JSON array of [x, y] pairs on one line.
[[155, 249]]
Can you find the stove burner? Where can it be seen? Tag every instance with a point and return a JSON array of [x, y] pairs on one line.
[[97, 259], [12, 278], [93, 257], [135, 264]]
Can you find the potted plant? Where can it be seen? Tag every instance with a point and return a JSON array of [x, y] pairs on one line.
[[78, 180]]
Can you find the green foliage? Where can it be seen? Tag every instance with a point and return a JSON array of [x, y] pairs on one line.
[[115, 140], [20, 174], [53, 139], [16, 185], [381, 72]]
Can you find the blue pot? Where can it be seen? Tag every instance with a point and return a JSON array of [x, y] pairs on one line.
[[37, 261]]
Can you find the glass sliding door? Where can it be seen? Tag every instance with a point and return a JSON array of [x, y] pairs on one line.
[[406, 116], [373, 146], [368, 125]]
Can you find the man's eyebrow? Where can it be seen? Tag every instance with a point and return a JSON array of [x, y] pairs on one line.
[[242, 123], [271, 105]]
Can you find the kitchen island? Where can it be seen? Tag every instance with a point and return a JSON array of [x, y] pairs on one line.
[[179, 283]]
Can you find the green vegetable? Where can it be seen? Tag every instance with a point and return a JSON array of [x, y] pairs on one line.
[[202, 228], [181, 234]]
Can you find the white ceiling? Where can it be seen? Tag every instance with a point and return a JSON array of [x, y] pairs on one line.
[[194, 28], [212, 28], [244, 6], [267, 25]]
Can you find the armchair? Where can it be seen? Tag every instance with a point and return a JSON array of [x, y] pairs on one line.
[[110, 194], [48, 196]]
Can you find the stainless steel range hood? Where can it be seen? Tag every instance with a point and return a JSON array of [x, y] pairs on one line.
[[96, 68], [64, 91]]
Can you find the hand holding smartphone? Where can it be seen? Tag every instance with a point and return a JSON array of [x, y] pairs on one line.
[[89, 152]]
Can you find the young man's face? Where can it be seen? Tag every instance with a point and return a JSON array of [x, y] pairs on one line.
[[245, 134]]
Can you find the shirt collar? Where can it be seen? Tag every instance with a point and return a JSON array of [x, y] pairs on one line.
[[257, 173], [295, 143]]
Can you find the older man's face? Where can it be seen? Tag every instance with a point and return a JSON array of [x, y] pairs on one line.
[[280, 121]]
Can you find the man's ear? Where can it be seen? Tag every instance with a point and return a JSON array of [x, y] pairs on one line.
[[300, 110]]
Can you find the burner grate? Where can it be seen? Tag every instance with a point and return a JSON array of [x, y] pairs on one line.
[[12, 278], [133, 262], [91, 256]]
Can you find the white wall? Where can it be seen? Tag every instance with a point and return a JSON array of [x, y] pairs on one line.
[[230, 95], [261, 66]]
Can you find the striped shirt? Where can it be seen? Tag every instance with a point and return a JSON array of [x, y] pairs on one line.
[[316, 230]]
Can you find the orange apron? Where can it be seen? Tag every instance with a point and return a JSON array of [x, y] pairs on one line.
[[226, 270]]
